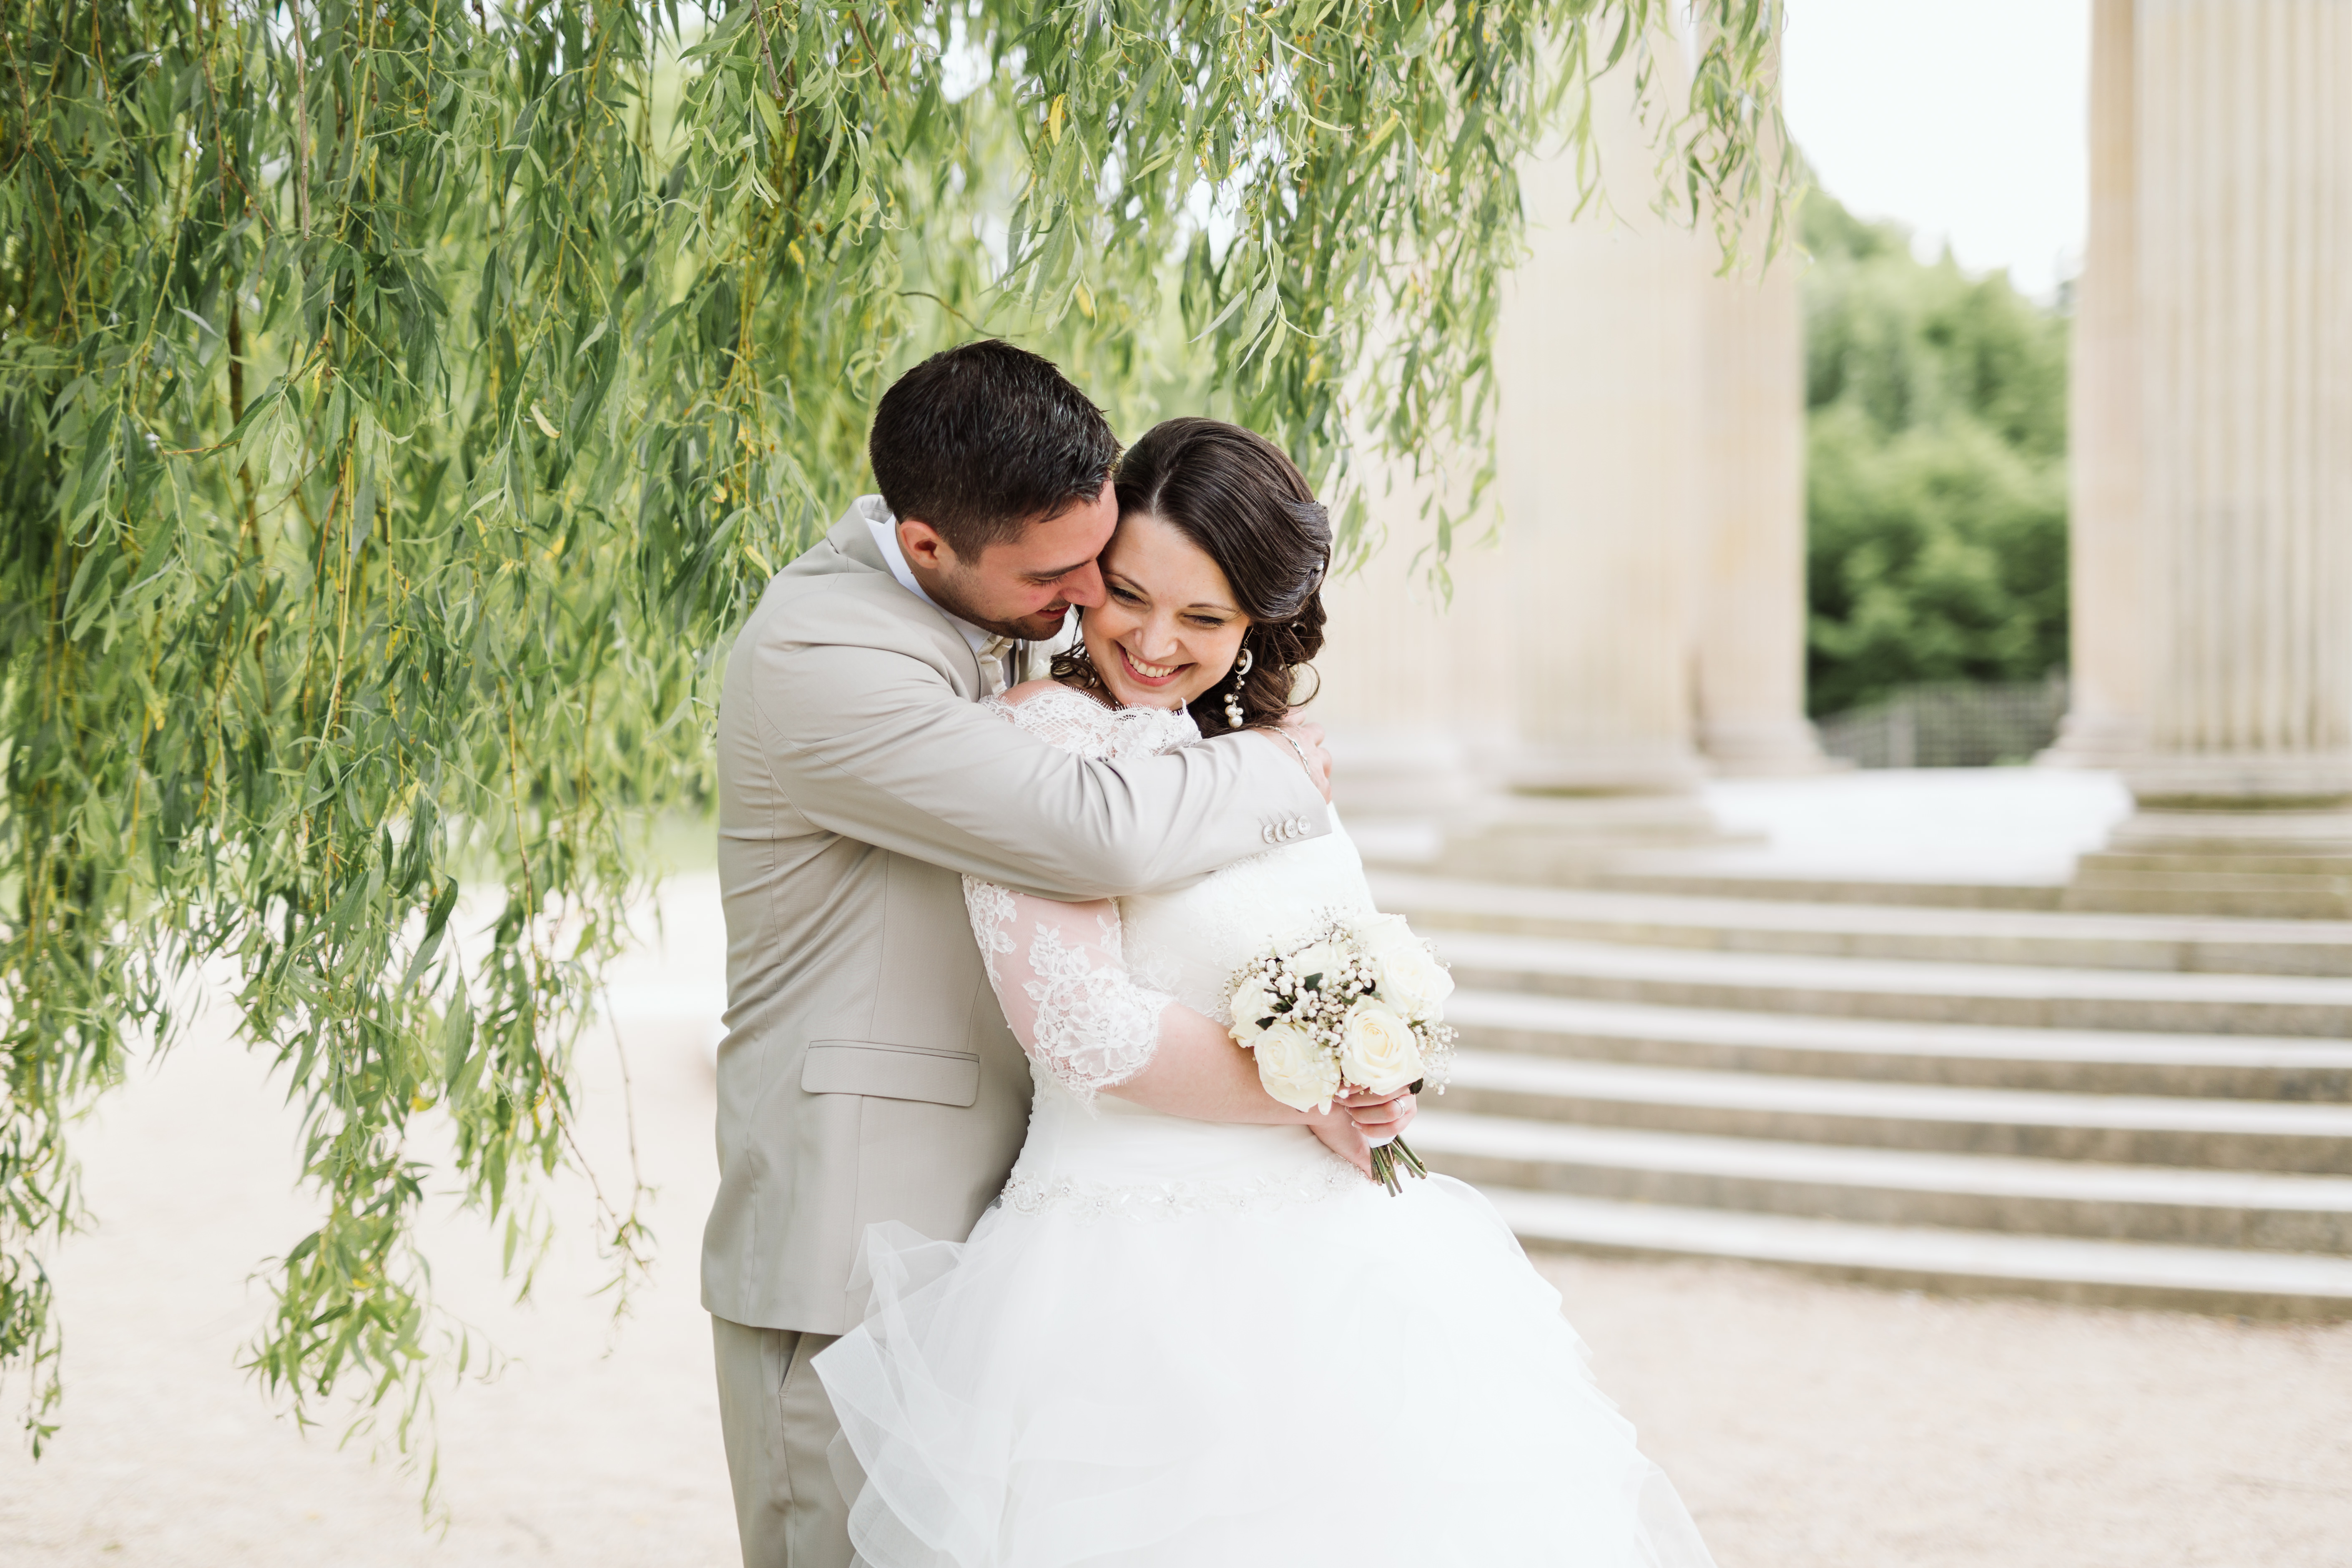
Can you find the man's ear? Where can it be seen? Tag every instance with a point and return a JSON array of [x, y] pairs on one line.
[[923, 546]]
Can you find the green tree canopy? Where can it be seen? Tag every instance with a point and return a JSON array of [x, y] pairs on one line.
[[399, 402], [1936, 481]]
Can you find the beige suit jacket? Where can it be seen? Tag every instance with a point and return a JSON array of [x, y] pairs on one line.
[[867, 1073]]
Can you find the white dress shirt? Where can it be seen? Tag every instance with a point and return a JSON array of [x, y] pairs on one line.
[[993, 652], [986, 647]]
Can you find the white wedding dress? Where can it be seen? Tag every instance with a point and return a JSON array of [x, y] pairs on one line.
[[1181, 1344]]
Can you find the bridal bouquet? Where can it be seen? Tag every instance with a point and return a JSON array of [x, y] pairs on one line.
[[1359, 1004]]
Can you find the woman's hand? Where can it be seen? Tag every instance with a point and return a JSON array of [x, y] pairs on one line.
[[1337, 1131], [1305, 738], [1379, 1115], [1349, 1128]]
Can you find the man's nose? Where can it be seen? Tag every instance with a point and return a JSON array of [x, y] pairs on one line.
[[1084, 587]]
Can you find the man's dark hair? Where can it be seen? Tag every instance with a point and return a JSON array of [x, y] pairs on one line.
[[981, 440]]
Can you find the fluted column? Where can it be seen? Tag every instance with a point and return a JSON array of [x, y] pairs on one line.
[[2245, 320], [1751, 629], [1751, 623], [1582, 628], [1599, 359], [2246, 293], [1386, 678], [2106, 723]]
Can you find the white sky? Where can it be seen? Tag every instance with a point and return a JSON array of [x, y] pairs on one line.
[[1964, 119]]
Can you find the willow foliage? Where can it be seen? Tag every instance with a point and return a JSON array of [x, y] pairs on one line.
[[401, 399]]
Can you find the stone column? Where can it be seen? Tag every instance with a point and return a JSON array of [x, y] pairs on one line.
[[1599, 354], [2104, 723], [1386, 678], [2245, 301], [1751, 623]]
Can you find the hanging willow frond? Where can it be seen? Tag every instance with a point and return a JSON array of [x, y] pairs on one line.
[[400, 402]]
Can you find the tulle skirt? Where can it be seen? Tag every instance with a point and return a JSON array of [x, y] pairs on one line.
[[1347, 1379]]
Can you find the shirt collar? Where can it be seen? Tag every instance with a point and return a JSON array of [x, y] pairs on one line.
[[885, 528]]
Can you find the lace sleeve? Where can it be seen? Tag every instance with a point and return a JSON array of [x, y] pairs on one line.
[[1060, 974]]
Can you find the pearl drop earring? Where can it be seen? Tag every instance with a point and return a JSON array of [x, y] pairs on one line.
[[1233, 714]]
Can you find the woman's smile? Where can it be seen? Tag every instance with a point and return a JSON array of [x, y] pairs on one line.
[[1151, 674]]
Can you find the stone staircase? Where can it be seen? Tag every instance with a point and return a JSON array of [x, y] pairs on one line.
[[1962, 1091]]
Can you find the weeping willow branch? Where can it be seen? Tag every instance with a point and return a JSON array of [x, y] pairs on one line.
[[400, 404]]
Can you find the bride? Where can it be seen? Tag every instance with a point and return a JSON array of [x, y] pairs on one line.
[[1186, 1344]]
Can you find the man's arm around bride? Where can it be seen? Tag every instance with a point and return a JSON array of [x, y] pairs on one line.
[[867, 1073]]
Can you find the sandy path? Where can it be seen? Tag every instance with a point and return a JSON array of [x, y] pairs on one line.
[[1808, 1425], [1818, 1425]]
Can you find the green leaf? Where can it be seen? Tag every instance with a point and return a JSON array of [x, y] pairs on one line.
[[305, 606]]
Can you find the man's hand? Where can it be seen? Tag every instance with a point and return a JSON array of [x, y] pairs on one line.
[[1304, 738], [1379, 1115]]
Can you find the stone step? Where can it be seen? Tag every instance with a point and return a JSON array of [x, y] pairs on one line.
[[2329, 864], [2000, 936], [2086, 1061], [1630, 874], [2258, 1210], [2014, 995], [2121, 1273], [2123, 1130], [2223, 893]]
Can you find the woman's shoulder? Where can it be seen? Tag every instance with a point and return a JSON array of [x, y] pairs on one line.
[[1030, 691], [1038, 703]]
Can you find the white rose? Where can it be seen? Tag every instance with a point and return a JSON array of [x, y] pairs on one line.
[[1411, 980], [1377, 1050], [1323, 958], [1251, 1002], [1295, 1069]]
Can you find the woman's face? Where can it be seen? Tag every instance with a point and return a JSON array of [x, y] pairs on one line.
[[1168, 628]]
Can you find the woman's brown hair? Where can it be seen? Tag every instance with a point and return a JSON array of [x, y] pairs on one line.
[[1245, 505]]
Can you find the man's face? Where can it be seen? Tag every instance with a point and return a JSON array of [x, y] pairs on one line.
[[1021, 586]]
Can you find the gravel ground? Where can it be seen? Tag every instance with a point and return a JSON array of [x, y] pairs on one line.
[[1808, 1424]]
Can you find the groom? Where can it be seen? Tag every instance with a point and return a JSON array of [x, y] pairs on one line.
[[867, 1073]]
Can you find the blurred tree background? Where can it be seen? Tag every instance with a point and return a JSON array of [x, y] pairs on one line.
[[1935, 468], [400, 404]]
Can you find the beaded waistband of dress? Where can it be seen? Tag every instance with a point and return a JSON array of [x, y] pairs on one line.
[[1169, 1200]]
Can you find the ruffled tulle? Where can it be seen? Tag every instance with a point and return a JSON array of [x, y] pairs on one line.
[[1344, 1378]]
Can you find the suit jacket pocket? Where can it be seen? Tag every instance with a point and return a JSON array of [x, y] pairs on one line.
[[890, 1072]]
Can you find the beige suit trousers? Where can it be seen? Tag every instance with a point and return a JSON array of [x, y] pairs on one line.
[[778, 1424]]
